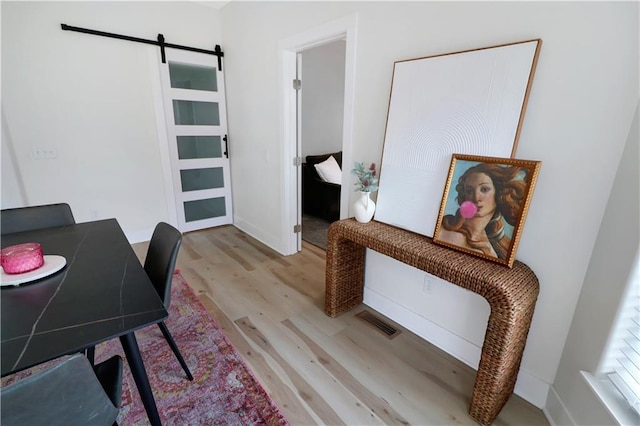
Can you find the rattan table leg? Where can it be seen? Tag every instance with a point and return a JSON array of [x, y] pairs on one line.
[[499, 363], [344, 274]]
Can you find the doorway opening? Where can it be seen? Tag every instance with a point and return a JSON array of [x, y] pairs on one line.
[[321, 115], [342, 30]]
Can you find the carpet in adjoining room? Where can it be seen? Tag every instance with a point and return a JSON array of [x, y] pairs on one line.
[[314, 230]]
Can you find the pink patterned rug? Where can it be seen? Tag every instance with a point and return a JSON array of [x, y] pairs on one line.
[[223, 392]]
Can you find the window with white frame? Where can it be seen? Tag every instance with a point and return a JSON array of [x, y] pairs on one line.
[[621, 364]]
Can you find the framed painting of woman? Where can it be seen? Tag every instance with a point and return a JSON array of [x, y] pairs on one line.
[[485, 204]]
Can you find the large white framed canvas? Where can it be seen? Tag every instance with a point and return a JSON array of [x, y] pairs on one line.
[[470, 102]]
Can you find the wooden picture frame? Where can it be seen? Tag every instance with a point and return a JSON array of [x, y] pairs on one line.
[[470, 102], [484, 206]]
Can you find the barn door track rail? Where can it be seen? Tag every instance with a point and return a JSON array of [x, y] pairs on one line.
[[159, 42]]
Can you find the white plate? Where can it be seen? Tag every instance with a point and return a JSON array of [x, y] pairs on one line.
[[52, 264]]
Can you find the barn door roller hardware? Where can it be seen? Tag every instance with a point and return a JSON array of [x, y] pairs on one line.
[[159, 42]]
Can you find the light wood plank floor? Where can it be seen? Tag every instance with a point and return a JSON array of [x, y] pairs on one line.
[[323, 370]]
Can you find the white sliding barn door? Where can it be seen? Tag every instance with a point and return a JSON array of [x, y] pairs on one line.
[[196, 117]]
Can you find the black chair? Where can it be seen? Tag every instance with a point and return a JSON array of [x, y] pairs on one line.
[[159, 265], [70, 392], [35, 217], [319, 198]]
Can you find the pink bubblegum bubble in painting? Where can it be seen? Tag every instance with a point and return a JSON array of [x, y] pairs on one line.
[[468, 209]]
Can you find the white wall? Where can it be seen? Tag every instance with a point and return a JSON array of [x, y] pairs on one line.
[[578, 117], [322, 98], [91, 99], [13, 193], [610, 267]]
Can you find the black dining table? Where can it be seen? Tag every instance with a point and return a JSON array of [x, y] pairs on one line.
[[100, 294]]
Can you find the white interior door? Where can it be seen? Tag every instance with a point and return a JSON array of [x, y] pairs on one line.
[[196, 117]]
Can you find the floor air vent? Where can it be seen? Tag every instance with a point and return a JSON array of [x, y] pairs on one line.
[[383, 326]]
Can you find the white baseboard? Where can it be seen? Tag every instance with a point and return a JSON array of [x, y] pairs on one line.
[[142, 235], [532, 389], [555, 410], [139, 235], [529, 387], [272, 241]]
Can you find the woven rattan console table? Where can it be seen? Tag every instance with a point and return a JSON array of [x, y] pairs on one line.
[[511, 293]]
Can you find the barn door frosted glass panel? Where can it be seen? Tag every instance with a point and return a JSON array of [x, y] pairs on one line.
[[192, 147], [194, 77], [196, 113], [204, 209], [199, 179]]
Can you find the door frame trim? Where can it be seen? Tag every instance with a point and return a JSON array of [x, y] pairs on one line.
[[343, 28]]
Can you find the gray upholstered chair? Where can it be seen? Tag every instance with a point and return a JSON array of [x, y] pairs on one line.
[[159, 265], [69, 393], [35, 217]]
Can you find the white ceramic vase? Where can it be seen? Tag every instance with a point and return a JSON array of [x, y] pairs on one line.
[[364, 207]]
